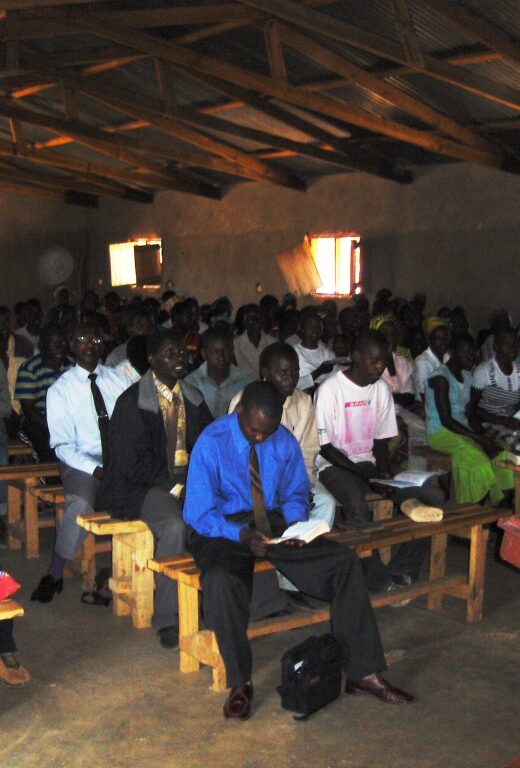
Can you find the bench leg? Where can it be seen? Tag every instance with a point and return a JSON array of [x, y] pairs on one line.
[[14, 504], [477, 570], [87, 564], [30, 504], [188, 624], [142, 579], [121, 569], [382, 509], [437, 567], [219, 682]]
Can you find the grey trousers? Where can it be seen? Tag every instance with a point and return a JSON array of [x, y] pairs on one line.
[[163, 515], [80, 499]]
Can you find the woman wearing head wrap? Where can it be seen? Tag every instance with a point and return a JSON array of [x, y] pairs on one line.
[[438, 334], [451, 430]]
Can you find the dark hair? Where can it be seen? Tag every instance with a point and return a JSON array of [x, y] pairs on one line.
[[263, 396], [136, 349], [48, 331], [369, 338], [502, 333], [217, 333], [462, 338], [85, 325], [275, 352], [156, 341]]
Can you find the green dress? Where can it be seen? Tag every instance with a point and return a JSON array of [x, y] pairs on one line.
[[475, 475]]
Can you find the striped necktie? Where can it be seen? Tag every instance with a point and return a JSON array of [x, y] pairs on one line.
[[102, 415], [260, 515]]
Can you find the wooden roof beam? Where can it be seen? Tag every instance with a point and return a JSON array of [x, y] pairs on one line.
[[347, 113], [358, 76], [476, 27], [365, 40], [273, 45], [237, 162], [108, 144], [69, 197], [359, 161], [407, 33]]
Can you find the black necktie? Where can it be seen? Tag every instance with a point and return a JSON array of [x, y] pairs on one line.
[[102, 415], [260, 515]]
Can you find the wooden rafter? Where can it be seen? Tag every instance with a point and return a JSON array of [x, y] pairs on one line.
[[390, 93], [237, 162], [108, 144], [356, 160], [476, 27], [102, 175], [53, 182], [407, 33], [273, 45], [365, 40], [21, 5], [178, 55]]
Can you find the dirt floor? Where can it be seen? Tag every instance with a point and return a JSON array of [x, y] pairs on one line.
[[104, 694]]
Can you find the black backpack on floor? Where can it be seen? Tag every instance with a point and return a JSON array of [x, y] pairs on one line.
[[311, 675]]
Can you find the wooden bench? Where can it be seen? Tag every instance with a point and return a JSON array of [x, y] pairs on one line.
[[515, 469], [16, 448], [21, 479], [200, 647], [85, 562], [132, 583], [10, 609]]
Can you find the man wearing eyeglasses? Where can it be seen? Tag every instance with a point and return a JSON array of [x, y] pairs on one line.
[[79, 406]]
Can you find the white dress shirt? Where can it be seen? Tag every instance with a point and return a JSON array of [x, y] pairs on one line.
[[423, 367], [72, 417], [309, 360]]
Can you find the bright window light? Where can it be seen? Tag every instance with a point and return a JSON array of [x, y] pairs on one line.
[[138, 262], [338, 261]]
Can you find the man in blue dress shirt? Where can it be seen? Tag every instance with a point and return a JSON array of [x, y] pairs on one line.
[[75, 425], [237, 460]]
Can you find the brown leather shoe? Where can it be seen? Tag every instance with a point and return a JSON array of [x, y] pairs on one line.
[[11, 671], [238, 703], [378, 686]]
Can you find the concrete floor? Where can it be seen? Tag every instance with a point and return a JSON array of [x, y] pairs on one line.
[[104, 694]]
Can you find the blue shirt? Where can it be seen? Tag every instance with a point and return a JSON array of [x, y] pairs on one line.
[[35, 378], [219, 483], [458, 393], [218, 396]]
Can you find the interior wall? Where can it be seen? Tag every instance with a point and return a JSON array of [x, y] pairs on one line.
[[28, 227], [453, 234]]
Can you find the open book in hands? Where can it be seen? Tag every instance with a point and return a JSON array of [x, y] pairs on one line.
[[411, 478], [304, 531]]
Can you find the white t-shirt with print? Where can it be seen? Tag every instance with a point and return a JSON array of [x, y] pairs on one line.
[[352, 417]]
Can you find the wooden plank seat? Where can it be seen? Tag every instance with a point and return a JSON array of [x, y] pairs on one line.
[[132, 582], [10, 609], [198, 646], [17, 448], [85, 562], [21, 479]]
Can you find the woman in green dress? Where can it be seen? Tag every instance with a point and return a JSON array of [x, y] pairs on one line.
[[450, 430]]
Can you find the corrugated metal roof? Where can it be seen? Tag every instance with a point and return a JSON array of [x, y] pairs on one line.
[[245, 48]]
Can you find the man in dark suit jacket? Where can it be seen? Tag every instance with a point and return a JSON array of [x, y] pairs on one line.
[[153, 428]]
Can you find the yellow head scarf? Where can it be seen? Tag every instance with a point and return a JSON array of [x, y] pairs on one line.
[[379, 320], [431, 323]]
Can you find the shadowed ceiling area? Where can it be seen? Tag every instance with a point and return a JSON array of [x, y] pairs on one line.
[[125, 98]]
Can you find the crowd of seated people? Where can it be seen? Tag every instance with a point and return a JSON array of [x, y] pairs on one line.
[[120, 391]]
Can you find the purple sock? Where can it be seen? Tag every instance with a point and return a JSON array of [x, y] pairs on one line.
[[56, 567]]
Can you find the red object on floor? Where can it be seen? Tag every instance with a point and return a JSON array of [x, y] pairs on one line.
[[514, 764], [510, 547]]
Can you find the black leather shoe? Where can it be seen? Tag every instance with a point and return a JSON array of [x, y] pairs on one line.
[[46, 589], [379, 687], [169, 636], [238, 703]]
